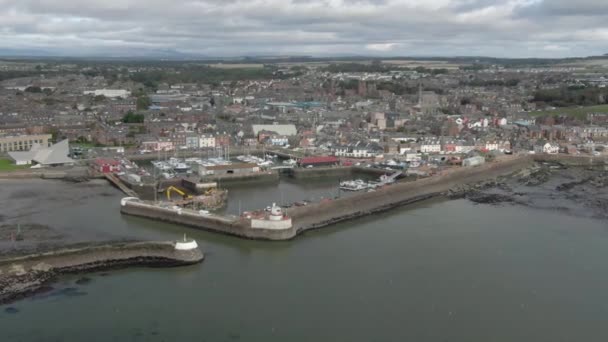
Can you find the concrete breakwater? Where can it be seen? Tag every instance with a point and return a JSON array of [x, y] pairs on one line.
[[59, 173], [322, 214], [572, 160], [25, 275], [337, 171], [265, 176], [237, 226], [319, 172]]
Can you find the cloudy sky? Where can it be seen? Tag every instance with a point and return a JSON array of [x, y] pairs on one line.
[[500, 28]]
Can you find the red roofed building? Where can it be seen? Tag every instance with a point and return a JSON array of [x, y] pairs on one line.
[[319, 161], [106, 165]]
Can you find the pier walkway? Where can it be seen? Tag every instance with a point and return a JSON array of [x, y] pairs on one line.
[[120, 185]]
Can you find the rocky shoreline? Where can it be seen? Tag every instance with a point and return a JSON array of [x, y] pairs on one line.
[[23, 276], [576, 190]]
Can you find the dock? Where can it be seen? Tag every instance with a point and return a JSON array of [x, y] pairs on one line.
[[112, 178]]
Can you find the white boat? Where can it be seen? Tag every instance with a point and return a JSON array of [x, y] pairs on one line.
[[181, 167], [355, 185]]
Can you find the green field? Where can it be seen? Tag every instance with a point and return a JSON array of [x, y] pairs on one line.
[[8, 165], [579, 112]]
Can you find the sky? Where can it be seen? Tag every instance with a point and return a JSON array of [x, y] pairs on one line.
[[226, 28]]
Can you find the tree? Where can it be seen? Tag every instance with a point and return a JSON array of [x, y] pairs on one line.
[[99, 98], [143, 102], [131, 117], [33, 89]]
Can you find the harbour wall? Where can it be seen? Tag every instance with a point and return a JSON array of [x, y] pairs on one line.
[[572, 160], [318, 215], [267, 176], [63, 173], [215, 223], [336, 171], [320, 172], [322, 214], [24, 275]]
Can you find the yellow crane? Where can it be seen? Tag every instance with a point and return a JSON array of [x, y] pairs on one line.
[[174, 189]]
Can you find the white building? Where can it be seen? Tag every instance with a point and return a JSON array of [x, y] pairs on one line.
[[205, 141], [410, 157], [42, 156], [288, 129], [492, 146], [357, 150], [430, 147], [108, 92], [464, 148], [473, 161], [548, 148], [278, 140]]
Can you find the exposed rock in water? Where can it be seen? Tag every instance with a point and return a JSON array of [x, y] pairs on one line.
[[536, 177], [570, 185], [83, 281], [489, 198], [463, 190], [11, 310], [575, 191]]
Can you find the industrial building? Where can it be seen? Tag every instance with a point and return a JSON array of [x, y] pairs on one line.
[[23, 142], [473, 161], [111, 93]]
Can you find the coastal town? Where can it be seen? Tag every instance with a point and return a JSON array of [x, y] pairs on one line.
[[407, 115], [181, 140], [303, 170]]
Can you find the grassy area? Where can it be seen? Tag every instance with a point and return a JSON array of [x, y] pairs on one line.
[[8, 165], [579, 112]]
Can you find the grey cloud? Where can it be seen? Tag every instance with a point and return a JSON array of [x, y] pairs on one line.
[[317, 27], [570, 8]]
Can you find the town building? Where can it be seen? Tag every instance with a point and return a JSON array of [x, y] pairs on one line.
[[23, 142], [547, 147], [206, 141], [44, 156], [430, 146], [106, 165], [158, 145], [357, 150], [287, 130], [111, 93]]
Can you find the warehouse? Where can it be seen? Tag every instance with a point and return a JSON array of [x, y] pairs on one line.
[[473, 161]]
